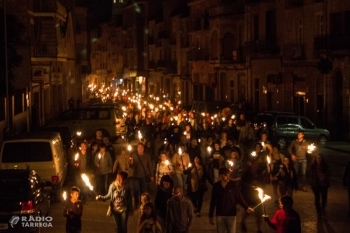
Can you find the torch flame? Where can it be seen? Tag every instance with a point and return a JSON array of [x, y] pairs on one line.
[[99, 156], [189, 164], [76, 156], [180, 151], [311, 148], [85, 178], [64, 195], [129, 147], [167, 162], [230, 163], [261, 193], [268, 159], [139, 135], [209, 149], [253, 153]]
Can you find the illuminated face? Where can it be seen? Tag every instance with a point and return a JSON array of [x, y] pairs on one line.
[[177, 193], [98, 134], [140, 149], [286, 161], [193, 142], [300, 136], [147, 210], [166, 184], [74, 195], [224, 177], [163, 157]]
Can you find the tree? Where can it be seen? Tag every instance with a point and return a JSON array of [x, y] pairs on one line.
[[15, 31]]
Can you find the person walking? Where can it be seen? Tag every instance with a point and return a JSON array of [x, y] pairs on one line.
[[149, 222], [224, 198], [179, 217], [197, 185], [121, 203], [320, 173], [286, 219], [164, 193], [287, 178], [104, 165], [143, 172], [73, 211], [180, 162], [298, 151]]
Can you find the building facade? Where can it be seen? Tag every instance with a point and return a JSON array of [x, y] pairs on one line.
[[289, 55]]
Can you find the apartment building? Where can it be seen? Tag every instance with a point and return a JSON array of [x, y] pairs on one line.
[[289, 55]]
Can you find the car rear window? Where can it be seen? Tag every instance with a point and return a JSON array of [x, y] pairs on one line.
[[17, 152], [13, 189], [282, 121]]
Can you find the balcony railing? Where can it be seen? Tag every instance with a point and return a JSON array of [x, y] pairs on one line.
[[45, 50], [261, 47], [328, 42], [293, 51]]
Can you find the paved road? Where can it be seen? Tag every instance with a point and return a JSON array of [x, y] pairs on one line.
[[336, 220]]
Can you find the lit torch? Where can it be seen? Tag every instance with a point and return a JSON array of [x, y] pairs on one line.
[[263, 197], [167, 162], [64, 195], [179, 151], [253, 153], [129, 148], [230, 163], [189, 165], [85, 178], [311, 148], [76, 157], [99, 159], [140, 136], [209, 150]]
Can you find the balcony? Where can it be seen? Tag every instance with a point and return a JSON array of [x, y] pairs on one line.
[[293, 52], [197, 55], [45, 50], [44, 6], [261, 47], [329, 42]]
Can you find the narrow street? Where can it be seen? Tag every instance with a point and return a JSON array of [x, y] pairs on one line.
[[95, 220]]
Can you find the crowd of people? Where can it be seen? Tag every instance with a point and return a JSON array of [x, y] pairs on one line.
[[181, 154]]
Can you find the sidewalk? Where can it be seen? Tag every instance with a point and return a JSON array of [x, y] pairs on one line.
[[343, 146]]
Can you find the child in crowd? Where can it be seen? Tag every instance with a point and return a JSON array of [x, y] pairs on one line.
[[73, 211], [286, 219], [149, 220]]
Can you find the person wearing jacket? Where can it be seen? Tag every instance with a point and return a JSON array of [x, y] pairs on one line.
[[104, 165], [319, 178], [224, 198], [287, 178], [164, 193], [121, 202]]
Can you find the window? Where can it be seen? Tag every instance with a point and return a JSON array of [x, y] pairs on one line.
[[306, 124], [284, 121], [300, 31], [319, 24], [26, 152]]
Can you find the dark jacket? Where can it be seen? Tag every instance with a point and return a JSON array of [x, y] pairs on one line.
[[161, 201], [226, 199], [346, 175]]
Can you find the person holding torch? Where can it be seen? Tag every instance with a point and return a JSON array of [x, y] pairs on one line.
[[163, 167], [298, 149], [181, 162], [82, 164]]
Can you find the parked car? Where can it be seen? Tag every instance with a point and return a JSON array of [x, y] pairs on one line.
[[284, 126], [67, 136], [23, 194], [85, 121], [40, 151]]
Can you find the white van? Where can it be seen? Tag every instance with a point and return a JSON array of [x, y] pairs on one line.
[[40, 151]]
